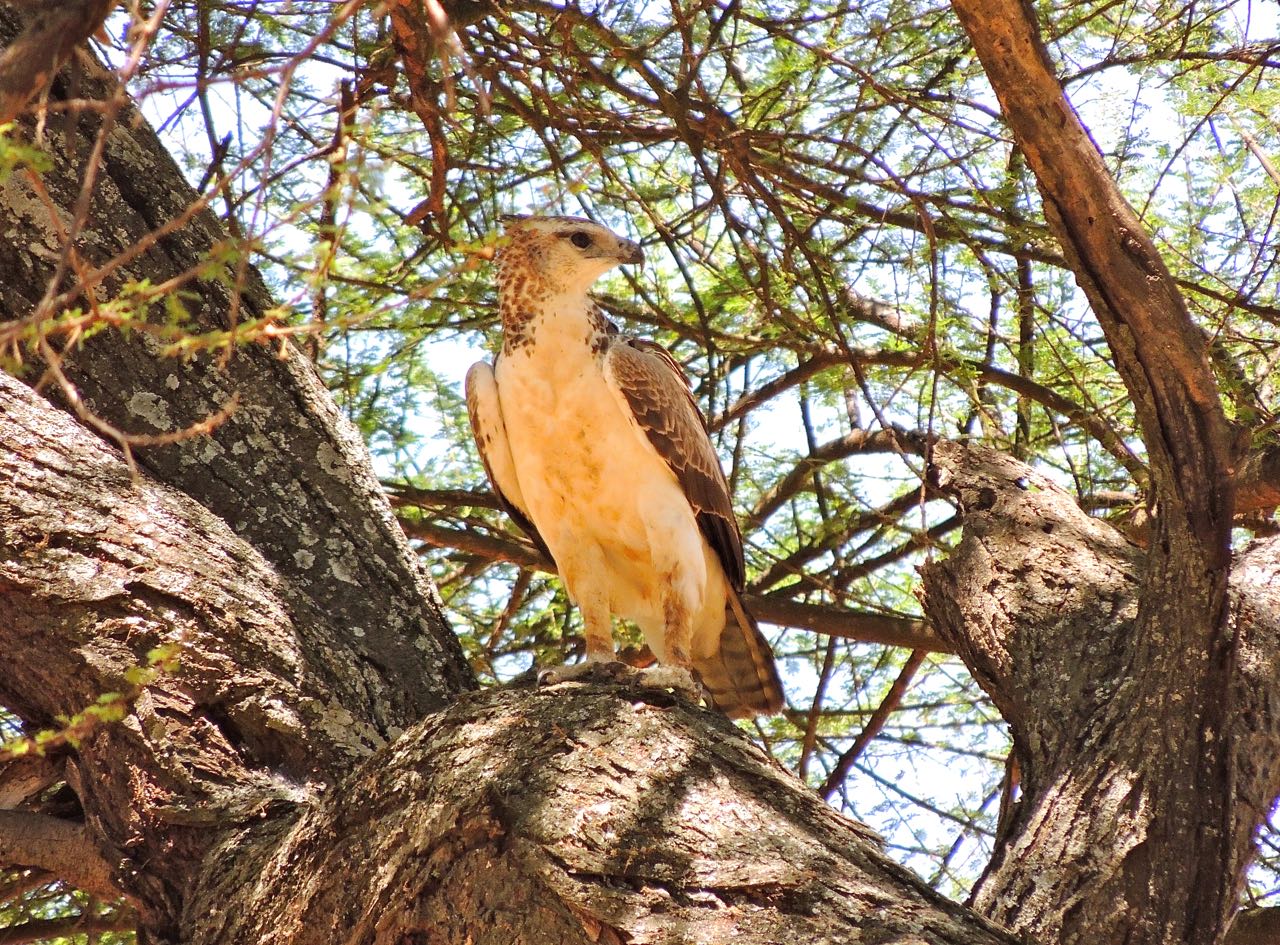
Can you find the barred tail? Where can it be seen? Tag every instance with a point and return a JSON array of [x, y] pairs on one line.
[[741, 676]]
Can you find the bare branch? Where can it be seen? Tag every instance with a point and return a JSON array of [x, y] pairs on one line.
[[853, 443], [852, 625], [864, 627], [890, 703]]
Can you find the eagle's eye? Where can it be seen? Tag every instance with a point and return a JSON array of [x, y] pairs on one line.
[[580, 239]]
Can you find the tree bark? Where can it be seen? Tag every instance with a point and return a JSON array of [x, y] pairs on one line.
[[1136, 772], [285, 470], [1043, 602]]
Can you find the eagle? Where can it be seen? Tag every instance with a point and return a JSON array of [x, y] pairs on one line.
[[596, 449]]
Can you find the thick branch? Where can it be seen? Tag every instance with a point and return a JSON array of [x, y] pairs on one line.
[[851, 625], [1255, 927], [576, 814], [97, 569], [1258, 481], [1158, 351], [58, 847], [24, 777]]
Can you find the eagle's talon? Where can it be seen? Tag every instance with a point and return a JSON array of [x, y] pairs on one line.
[[676, 678], [589, 671]]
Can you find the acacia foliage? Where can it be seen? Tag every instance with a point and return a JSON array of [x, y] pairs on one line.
[[843, 243]]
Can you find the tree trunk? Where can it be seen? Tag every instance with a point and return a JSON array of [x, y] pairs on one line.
[[1141, 691], [1044, 604]]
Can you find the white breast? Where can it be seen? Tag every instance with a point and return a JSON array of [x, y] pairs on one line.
[[602, 498]]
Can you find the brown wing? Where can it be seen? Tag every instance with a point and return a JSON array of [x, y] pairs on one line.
[[656, 390], [739, 673]]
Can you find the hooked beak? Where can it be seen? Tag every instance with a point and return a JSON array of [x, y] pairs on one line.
[[630, 252]]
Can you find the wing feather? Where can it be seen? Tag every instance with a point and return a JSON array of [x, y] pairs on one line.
[[658, 394], [740, 674], [490, 432]]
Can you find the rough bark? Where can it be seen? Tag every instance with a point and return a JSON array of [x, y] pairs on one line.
[[578, 814], [1044, 604], [285, 469], [96, 570]]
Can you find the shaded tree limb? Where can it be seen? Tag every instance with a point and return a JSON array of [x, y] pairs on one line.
[[56, 846], [862, 627], [51, 34], [24, 777], [538, 819], [1257, 484]]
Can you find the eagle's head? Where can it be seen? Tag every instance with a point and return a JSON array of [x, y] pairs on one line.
[[565, 254]]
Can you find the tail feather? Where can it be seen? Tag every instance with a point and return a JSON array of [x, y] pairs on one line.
[[741, 675]]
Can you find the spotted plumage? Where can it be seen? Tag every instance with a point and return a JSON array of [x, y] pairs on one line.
[[594, 444]]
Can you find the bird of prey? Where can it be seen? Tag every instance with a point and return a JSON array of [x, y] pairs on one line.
[[595, 447]]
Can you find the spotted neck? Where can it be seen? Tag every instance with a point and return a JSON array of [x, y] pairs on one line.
[[526, 299]]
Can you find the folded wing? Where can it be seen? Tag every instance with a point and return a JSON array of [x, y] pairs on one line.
[[741, 675]]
